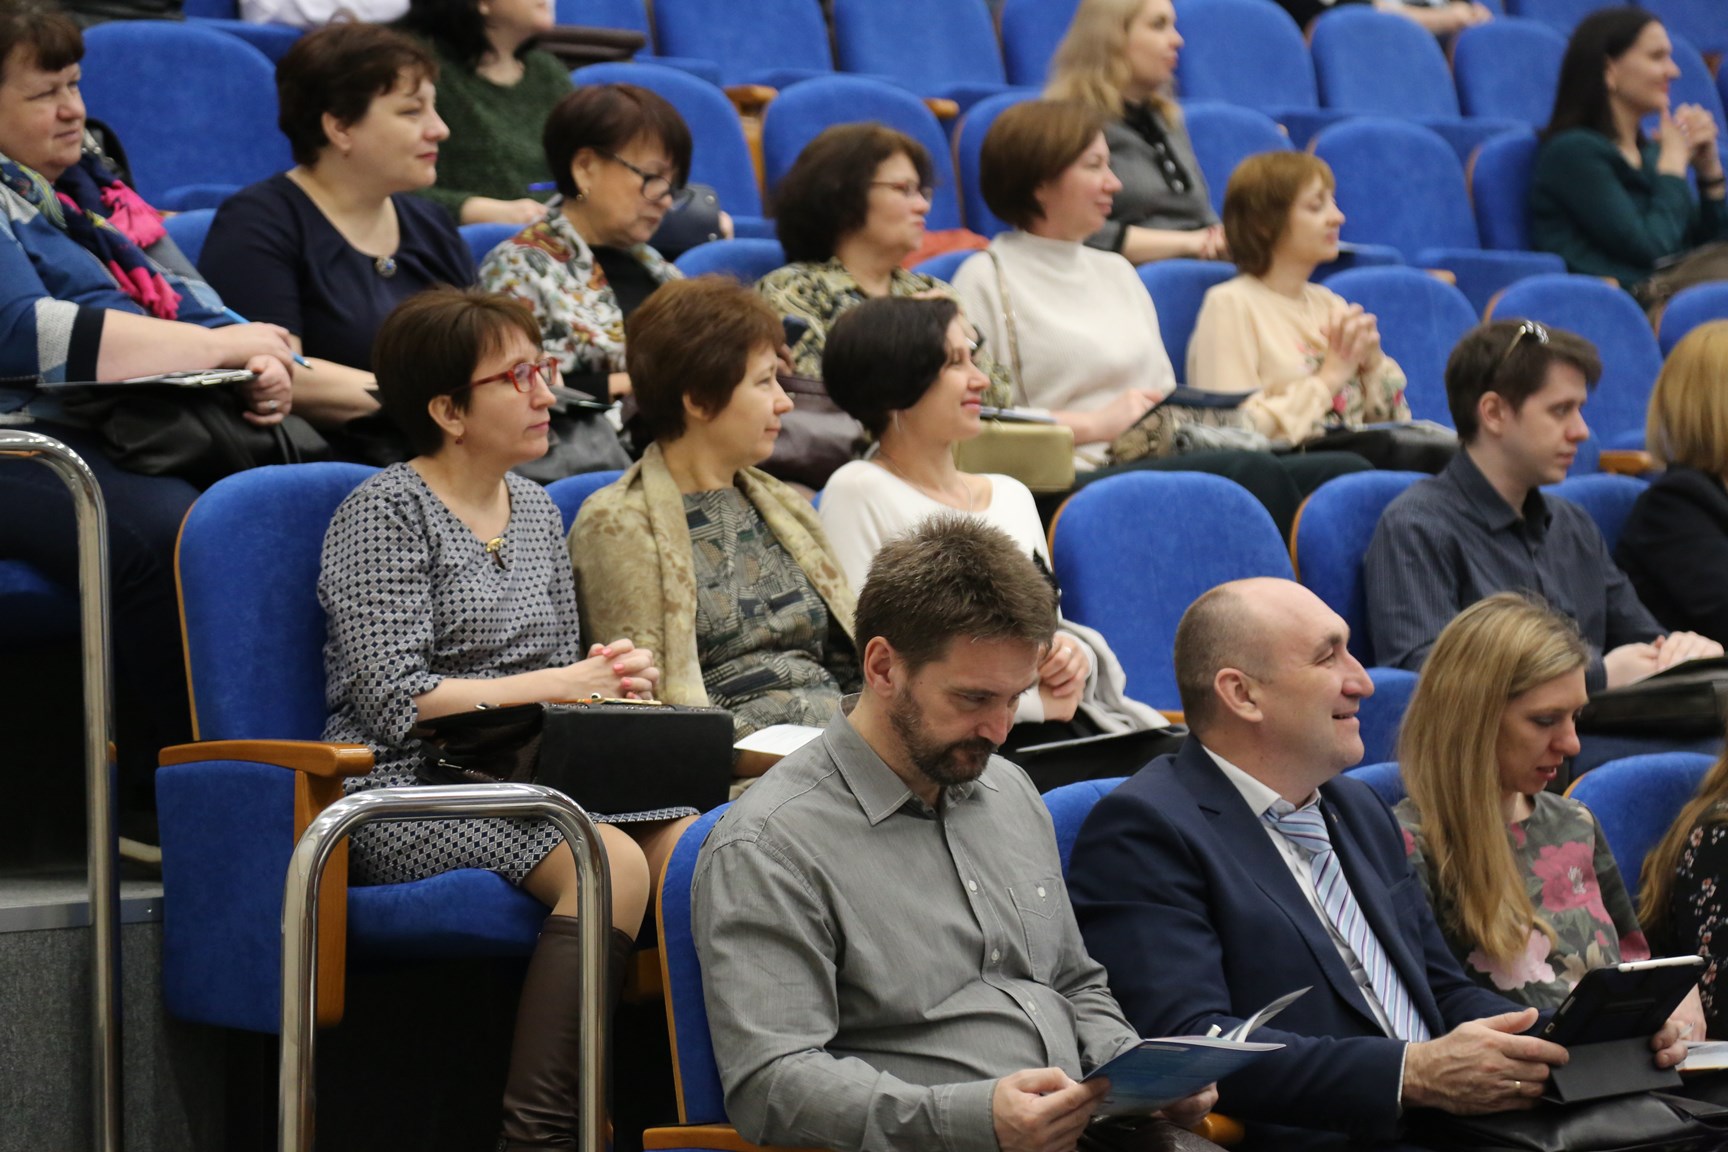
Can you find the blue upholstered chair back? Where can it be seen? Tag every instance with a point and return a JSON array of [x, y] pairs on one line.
[[1500, 190], [1178, 288], [1247, 52], [1409, 76], [799, 114], [1560, 15], [1224, 135], [944, 266], [1031, 30], [933, 47], [482, 238], [1610, 318], [142, 76], [1070, 805], [1699, 21], [1333, 530], [1696, 83], [721, 157], [1398, 183], [968, 144], [1636, 800], [569, 492], [746, 260], [1696, 305], [779, 42], [1133, 551], [1607, 497], [701, 1099], [1421, 319], [188, 230], [1508, 69], [628, 15], [1384, 778]]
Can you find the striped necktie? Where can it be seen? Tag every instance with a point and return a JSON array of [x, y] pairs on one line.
[[1305, 827]]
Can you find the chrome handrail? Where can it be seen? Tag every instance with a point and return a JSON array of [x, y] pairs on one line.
[[300, 931], [100, 845]]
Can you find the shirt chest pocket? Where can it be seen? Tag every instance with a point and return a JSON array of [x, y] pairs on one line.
[[1041, 905]]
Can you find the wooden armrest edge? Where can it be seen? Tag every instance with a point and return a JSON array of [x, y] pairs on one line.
[[312, 757]]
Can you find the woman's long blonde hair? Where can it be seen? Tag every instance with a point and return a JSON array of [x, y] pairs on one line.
[[1657, 882], [1494, 651], [1091, 63], [1688, 417]]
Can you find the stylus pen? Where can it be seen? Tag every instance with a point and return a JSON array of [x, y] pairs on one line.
[[239, 319]]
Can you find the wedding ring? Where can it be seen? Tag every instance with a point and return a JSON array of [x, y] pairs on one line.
[[270, 405], [1517, 1085]]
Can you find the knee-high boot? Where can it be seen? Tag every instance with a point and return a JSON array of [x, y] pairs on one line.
[[540, 1095]]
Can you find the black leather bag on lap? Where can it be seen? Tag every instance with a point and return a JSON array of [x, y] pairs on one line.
[[1689, 699], [1690, 1119]]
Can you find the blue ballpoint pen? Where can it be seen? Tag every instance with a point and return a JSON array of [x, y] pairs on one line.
[[239, 319]]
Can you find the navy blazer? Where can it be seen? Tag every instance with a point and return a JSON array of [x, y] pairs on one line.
[[1187, 903]]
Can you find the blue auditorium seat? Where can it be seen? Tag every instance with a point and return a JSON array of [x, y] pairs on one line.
[[570, 492], [1696, 305], [1031, 30], [1607, 497], [1251, 52], [1696, 84], [1069, 806], [188, 230], [1224, 135], [745, 260], [1508, 69], [1635, 800], [1333, 529], [1384, 778], [482, 238], [631, 16], [1421, 319], [1178, 288], [944, 266], [781, 43], [1560, 15], [273, 40], [968, 144], [1500, 174], [937, 48], [1699, 21]]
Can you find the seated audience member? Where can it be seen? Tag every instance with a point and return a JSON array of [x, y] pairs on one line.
[[497, 90], [619, 153], [1245, 867], [1313, 358], [330, 247], [1680, 904], [1675, 543], [1119, 57], [1605, 197], [694, 552], [1441, 17], [889, 956], [1521, 880], [903, 369], [446, 587]]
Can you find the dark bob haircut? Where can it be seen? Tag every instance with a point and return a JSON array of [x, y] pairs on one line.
[[1510, 357], [455, 26], [607, 118], [45, 36], [826, 194], [694, 338], [1581, 96], [431, 345], [1028, 146], [340, 69], [882, 356]]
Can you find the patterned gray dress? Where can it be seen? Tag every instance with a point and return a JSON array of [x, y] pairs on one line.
[[412, 596]]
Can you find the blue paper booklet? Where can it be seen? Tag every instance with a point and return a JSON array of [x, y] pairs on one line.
[[1158, 1072]]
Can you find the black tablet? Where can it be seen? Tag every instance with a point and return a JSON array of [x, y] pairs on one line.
[[1624, 1001]]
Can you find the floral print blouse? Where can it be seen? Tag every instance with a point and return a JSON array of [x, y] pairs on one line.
[[1696, 909], [1573, 883]]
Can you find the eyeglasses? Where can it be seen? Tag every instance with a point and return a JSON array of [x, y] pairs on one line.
[[523, 376], [1525, 328], [654, 185], [910, 189]]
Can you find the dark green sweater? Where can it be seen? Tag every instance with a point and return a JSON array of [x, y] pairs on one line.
[[1606, 218], [494, 145]]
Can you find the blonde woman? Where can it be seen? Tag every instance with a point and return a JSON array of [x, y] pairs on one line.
[[1675, 545], [1119, 57], [1685, 878], [1521, 879]]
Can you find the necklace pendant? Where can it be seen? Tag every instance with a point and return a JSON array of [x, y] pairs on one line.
[[385, 266]]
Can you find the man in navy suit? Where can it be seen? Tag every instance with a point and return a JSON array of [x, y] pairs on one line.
[[1242, 868]]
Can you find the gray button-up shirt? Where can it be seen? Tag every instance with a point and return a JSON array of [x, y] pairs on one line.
[[873, 966]]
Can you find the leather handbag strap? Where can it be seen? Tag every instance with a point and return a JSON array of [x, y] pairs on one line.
[[1008, 323]]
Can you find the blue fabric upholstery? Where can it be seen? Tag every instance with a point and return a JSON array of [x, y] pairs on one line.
[[569, 492], [782, 41], [1384, 778], [1178, 287], [1251, 53], [1696, 305], [1699, 21], [1333, 530], [1223, 136], [721, 157], [746, 260], [1636, 799], [1630, 356], [943, 48], [1031, 30], [799, 114], [273, 40], [701, 1100], [1382, 714], [1069, 806], [1560, 15], [968, 143], [944, 266], [1421, 319], [1508, 69], [33, 608], [1500, 190], [141, 77], [1607, 497], [1696, 84], [188, 230], [482, 238]]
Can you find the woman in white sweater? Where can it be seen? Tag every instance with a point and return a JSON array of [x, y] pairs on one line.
[[1074, 325]]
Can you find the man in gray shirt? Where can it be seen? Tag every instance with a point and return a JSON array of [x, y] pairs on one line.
[[888, 951]]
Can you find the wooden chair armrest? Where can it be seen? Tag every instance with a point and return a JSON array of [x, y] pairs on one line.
[[944, 108], [311, 757], [1221, 1129], [1626, 461], [719, 1137], [1175, 716], [1444, 275], [750, 99]]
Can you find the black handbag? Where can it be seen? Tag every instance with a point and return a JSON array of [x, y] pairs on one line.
[[693, 219], [1689, 1119], [816, 437], [581, 439], [616, 757], [1689, 699], [1413, 446]]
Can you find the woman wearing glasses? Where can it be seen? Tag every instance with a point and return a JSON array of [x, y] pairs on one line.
[[446, 586], [619, 152]]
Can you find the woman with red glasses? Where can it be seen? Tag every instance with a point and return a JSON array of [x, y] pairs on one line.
[[446, 585]]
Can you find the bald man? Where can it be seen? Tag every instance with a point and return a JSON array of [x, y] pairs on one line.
[[1244, 867]]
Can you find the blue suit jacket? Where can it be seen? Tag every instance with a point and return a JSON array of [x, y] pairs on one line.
[[1190, 907]]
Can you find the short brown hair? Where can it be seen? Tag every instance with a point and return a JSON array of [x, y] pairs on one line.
[[826, 194], [1257, 203], [1688, 422], [431, 345], [44, 34], [954, 577], [694, 338], [341, 69], [607, 118], [1028, 146], [1510, 358]]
